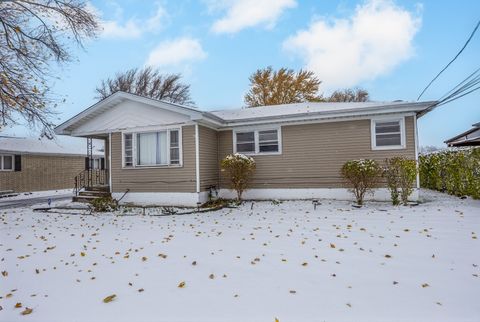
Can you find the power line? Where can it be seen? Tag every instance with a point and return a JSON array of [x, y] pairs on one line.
[[454, 58]]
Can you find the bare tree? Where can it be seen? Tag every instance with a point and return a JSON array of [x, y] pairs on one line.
[[147, 82], [268, 87], [349, 95], [33, 35]]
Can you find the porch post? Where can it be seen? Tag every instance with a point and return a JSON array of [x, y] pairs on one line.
[[197, 161]]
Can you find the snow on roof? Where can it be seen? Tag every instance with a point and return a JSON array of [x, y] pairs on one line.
[[60, 145], [273, 111]]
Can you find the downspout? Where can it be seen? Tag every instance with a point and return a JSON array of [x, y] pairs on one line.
[[110, 161], [197, 161], [416, 150]]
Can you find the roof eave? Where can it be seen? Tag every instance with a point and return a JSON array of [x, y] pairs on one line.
[[377, 110]]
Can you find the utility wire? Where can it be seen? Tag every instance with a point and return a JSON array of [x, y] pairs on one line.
[[454, 58]]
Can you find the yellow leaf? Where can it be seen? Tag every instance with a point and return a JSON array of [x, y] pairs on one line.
[[109, 298], [277, 320], [18, 305], [332, 245], [144, 258], [181, 285], [27, 311], [82, 254]]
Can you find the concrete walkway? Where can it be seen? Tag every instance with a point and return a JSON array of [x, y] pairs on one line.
[[6, 204]]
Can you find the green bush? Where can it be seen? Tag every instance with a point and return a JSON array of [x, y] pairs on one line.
[[456, 172], [239, 169], [400, 174], [104, 204], [361, 176]]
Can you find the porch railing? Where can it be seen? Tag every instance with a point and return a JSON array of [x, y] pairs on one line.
[[90, 178]]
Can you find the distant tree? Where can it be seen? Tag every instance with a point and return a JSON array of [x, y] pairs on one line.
[[33, 35], [147, 82], [269, 87], [349, 95]]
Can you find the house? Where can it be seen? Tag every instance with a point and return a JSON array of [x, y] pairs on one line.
[[467, 138], [164, 153], [28, 164]]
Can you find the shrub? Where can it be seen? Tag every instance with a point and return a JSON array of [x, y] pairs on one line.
[[104, 204], [362, 176], [239, 169], [455, 171], [400, 174]]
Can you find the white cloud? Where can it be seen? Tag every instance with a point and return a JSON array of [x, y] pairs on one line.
[[113, 29], [176, 52], [370, 43], [131, 28], [241, 14]]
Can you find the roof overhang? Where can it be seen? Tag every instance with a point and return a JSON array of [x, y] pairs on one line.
[[408, 108], [212, 120], [109, 102]]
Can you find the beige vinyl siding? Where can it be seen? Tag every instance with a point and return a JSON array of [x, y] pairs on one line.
[[43, 172], [155, 179], [314, 153], [208, 141]]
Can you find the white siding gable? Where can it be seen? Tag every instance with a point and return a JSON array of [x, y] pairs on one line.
[[129, 114]]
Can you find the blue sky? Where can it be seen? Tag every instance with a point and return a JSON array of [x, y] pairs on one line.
[[391, 48]]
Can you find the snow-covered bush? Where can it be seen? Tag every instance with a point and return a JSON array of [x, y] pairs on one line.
[[400, 174], [361, 176], [104, 204], [239, 169], [455, 171]]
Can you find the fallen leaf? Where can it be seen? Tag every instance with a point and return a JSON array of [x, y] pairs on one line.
[[181, 285], [109, 298], [27, 311], [425, 285], [18, 305]]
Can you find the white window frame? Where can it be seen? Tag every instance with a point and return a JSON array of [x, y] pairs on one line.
[[134, 133], [374, 122], [257, 141], [2, 156]]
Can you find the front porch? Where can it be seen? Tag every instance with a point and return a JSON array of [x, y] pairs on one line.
[[94, 181]]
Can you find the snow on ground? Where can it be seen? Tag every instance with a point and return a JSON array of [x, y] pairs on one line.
[[38, 194], [285, 261]]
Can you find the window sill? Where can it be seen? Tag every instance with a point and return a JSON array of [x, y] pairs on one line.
[[260, 153], [393, 147], [152, 167]]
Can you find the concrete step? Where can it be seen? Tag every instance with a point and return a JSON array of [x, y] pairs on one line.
[[94, 193], [83, 198], [98, 188]]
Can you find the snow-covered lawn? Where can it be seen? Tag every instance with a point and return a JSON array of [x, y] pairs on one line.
[[285, 261]]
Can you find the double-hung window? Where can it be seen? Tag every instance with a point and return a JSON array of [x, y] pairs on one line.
[[257, 141], [6, 162], [158, 148], [388, 134]]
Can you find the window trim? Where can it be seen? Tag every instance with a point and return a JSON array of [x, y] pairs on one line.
[[256, 131], [2, 156], [134, 148], [374, 122]]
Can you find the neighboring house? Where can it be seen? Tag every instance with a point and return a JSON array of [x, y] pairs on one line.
[[28, 164], [467, 138], [165, 153]]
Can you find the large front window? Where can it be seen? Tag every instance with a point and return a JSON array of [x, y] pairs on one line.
[[152, 148]]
